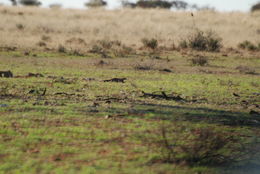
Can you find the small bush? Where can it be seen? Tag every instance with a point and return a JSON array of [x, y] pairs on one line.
[[199, 61], [20, 26], [255, 7], [199, 145], [30, 2], [150, 43], [247, 45], [154, 4], [202, 41], [62, 49]]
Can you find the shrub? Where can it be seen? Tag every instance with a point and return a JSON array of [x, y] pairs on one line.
[[213, 42], [202, 41], [95, 3], [255, 7], [247, 45], [199, 60], [62, 49], [20, 26], [150, 43], [200, 145], [30, 2], [154, 4], [244, 44]]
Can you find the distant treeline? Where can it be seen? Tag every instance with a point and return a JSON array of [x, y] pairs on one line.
[[165, 4]]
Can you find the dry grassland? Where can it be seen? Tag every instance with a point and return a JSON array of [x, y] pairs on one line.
[[26, 28]]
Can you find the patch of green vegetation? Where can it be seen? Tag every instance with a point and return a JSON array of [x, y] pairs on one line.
[[71, 120]]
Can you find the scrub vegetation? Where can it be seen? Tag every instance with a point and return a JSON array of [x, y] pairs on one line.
[[129, 91]]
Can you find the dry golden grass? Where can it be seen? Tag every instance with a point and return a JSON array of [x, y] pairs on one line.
[[39, 28]]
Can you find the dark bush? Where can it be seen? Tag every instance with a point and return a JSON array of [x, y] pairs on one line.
[[255, 7], [30, 2], [202, 41], [213, 42], [150, 43], [62, 49], [248, 46], [154, 4]]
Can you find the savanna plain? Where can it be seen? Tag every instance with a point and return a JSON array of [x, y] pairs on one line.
[[129, 91]]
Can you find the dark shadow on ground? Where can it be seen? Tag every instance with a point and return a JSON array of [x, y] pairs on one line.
[[184, 113]]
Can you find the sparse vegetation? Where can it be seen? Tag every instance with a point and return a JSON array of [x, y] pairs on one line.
[[62, 49], [80, 92], [150, 43], [200, 145], [199, 60], [205, 41], [248, 46]]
